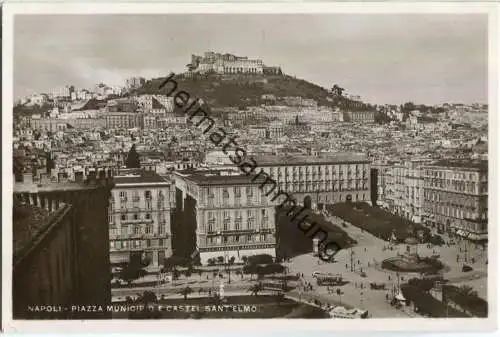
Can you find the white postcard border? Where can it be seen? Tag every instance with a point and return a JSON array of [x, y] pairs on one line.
[[255, 325]]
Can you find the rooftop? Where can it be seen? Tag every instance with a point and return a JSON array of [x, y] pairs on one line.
[[219, 177], [29, 223], [310, 160], [31, 187], [138, 176], [481, 165]]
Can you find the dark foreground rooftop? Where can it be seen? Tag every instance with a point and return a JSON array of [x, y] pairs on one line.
[[29, 224]]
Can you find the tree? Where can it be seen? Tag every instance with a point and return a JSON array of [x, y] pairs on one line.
[[220, 259], [337, 90], [131, 272], [250, 269], [175, 274], [185, 292], [244, 258], [467, 291], [255, 289], [147, 297], [133, 160], [260, 259]]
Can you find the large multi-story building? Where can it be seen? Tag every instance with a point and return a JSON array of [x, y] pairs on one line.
[[124, 120], [135, 82], [140, 217], [229, 213], [401, 188], [361, 117], [326, 179], [219, 63], [456, 197], [61, 247]]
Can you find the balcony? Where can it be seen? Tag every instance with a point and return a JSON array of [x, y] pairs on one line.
[[136, 221]]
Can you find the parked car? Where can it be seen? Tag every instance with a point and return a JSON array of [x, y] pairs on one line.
[[466, 268]]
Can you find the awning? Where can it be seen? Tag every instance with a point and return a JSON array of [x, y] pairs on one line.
[[477, 237]]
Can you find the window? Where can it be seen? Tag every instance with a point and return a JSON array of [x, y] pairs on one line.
[[148, 243], [137, 230], [160, 242], [249, 192], [225, 193], [237, 192], [136, 216], [123, 195], [149, 229], [162, 229], [147, 194], [237, 238], [148, 216], [123, 217]]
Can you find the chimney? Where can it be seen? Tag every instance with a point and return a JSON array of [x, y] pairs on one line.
[[28, 178], [92, 178], [78, 177]]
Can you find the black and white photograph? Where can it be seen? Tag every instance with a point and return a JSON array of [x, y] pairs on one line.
[[248, 166]]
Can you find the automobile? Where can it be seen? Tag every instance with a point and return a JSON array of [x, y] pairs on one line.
[[330, 280], [318, 273], [466, 268], [377, 286]]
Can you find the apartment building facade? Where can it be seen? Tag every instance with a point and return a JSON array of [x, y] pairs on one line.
[[140, 217], [233, 217], [456, 198], [326, 180]]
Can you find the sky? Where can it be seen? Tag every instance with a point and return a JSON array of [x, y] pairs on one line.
[[384, 58]]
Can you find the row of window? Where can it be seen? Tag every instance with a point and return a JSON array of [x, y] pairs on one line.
[[237, 213], [237, 225], [135, 194], [319, 169], [138, 230], [450, 175], [239, 239], [138, 244]]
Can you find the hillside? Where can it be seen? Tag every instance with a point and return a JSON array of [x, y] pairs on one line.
[[240, 91]]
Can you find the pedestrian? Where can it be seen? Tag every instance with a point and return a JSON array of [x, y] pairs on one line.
[[389, 277]]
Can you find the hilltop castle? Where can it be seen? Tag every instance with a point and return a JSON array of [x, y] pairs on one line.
[[218, 63]]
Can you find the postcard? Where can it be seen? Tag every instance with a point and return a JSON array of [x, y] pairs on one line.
[[206, 167]]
